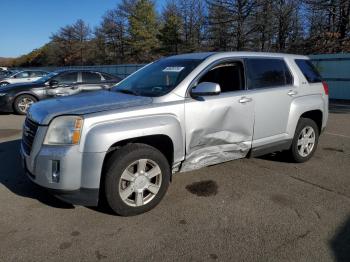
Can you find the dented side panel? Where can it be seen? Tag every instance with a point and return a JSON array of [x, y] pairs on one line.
[[218, 129]]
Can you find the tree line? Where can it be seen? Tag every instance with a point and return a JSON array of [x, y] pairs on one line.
[[136, 32]]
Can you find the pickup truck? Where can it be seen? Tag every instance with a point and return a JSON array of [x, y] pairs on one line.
[[174, 115]]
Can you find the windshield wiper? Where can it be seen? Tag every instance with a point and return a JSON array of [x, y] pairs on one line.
[[127, 91]]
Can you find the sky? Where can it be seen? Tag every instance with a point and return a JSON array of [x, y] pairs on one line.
[[28, 24]]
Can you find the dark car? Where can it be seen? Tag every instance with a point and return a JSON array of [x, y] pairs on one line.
[[19, 97]]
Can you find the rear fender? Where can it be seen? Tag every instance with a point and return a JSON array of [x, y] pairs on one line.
[[301, 105]]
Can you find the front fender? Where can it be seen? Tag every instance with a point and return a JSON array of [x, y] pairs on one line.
[[101, 136], [301, 105]]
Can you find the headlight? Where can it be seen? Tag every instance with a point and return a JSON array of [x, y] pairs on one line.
[[64, 130], [3, 94]]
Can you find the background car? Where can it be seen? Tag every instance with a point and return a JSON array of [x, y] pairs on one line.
[[87, 81], [7, 73], [23, 77], [19, 97]]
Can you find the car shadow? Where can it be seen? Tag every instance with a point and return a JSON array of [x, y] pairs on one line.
[[277, 157], [12, 177], [340, 243]]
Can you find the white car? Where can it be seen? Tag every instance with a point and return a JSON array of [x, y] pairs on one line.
[[23, 77]]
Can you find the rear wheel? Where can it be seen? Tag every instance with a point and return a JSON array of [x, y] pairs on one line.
[[22, 103], [137, 178], [305, 140]]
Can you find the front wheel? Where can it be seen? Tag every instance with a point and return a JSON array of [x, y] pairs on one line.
[[137, 178], [22, 104], [305, 140]]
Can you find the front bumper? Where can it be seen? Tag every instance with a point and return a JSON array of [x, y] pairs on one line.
[[82, 196], [79, 173]]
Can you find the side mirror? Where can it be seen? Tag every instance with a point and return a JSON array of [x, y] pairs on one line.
[[53, 83], [206, 89]]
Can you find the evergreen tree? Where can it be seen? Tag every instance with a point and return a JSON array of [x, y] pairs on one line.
[[170, 32], [143, 31]]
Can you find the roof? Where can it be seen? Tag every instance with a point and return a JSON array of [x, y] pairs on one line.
[[234, 54], [202, 55], [76, 70]]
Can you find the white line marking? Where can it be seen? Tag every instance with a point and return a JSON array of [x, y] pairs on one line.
[[333, 134]]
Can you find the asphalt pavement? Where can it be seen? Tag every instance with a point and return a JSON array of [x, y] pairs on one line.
[[263, 209]]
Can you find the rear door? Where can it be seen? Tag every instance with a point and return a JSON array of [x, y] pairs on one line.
[[219, 127], [270, 84]]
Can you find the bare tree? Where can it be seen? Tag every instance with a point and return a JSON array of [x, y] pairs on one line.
[[239, 15]]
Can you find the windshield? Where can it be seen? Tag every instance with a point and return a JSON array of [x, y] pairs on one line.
[[159, 78], [46, 77]]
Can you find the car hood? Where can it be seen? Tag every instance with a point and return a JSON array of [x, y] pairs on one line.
[[85, 103], [19, 86]]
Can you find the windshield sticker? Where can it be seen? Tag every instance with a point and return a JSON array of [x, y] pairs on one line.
[[175, 69]]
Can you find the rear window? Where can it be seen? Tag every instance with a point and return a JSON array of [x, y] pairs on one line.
[[67, 78], [308, 70], [90, 77], [266, 72]]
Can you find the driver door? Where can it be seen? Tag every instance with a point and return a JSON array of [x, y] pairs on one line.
[[219, 128]]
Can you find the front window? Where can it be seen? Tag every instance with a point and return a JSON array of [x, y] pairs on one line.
[[23, 74], [229, 75], [159, 78]]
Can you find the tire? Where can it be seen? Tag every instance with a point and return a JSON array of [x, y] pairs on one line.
[[125, 184], [301, 149], [22, 103]]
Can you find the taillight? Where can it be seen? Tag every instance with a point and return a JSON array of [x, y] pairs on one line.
[[325, 87]]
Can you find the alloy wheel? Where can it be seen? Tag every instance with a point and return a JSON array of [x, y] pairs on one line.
[[140, 182], [306, 141], [24, 104]]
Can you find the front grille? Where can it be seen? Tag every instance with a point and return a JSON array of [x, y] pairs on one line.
[[29, 131]]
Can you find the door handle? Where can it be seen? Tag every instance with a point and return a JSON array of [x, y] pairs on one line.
[[244, 100], [292, 93]]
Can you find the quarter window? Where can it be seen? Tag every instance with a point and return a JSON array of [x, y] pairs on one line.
[[265, 73], [107, 77], [308, 70]]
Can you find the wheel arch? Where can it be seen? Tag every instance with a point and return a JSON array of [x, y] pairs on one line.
[[306, 107], [315, 115], [161, 142]]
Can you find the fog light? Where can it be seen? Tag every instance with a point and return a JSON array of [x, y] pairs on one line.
[[55, 171]]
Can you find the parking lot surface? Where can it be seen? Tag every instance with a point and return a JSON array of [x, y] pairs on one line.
[[263, 209]]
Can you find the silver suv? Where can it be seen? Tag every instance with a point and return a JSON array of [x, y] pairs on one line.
[[177, 114]]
